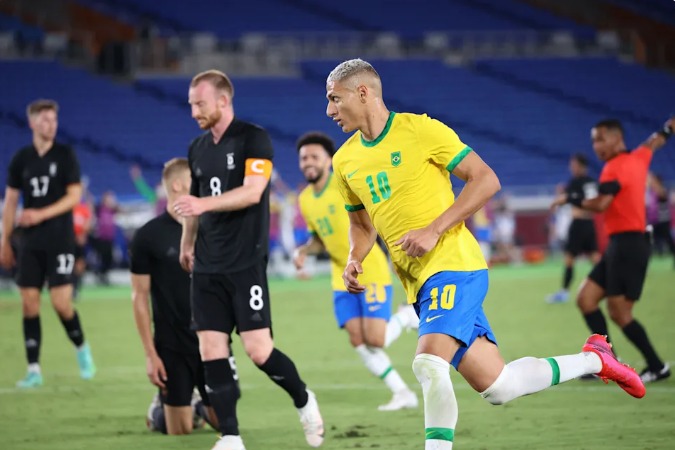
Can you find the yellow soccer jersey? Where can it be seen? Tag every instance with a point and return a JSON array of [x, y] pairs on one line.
[[327, 218], [402, 179]]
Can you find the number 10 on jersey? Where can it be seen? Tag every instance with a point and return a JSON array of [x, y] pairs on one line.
[[382, 187]]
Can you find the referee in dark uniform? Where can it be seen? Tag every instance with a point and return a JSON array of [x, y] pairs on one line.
[[581, 238], [621, 272], [46, 175], [225, 245], [172, 351]]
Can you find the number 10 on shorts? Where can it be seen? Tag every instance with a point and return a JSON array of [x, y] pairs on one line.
[[447, 299]]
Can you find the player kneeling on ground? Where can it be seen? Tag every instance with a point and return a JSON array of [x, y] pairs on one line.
[[172, 354]]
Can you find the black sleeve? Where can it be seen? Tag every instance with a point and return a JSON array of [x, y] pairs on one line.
[[194, 184], [140, 259], [72, 174], [14, 171], [258, 144], [575, 198]]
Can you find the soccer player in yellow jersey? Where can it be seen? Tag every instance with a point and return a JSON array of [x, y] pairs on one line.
[[393, 173], [366, 315]]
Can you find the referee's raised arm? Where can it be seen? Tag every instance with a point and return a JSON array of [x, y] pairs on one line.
[[658, 138]]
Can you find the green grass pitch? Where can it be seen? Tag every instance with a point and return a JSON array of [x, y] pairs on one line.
[[108, 412]]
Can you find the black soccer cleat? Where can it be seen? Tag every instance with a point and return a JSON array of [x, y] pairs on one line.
[[649, 376]]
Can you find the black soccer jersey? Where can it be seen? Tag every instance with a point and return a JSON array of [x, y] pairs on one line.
[[229, 241], [43, 180], [582, 187], [154, 251]]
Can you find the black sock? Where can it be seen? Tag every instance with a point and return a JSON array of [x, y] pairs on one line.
[[32, 338], [223, 394], [158, 419], [596, 323], [77, 283], [73, 329], [567, 278], [638, 336], [282, 371], [233, 367]]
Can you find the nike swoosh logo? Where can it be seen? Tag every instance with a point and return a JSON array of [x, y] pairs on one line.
[[429, 319], [351, 174], [374, 308]]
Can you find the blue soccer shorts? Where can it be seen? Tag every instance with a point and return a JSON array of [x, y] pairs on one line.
[[451, 303], [375, 303]]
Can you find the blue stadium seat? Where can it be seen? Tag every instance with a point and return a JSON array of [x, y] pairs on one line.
[[231, 20], [524, 117], [24, 33]]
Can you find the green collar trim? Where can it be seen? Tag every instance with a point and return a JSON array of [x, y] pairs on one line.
[[320, 193], [382, 135]]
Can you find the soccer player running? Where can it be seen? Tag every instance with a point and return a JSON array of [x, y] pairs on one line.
[[620, 274], [581, 239], [394, 174], [365, 316], [225, 246], [47, 176], [172, 353]]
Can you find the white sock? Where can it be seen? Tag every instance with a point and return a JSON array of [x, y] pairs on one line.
[[440, 404], [394, 329], [34, 367], [528, 375], [379, 364]]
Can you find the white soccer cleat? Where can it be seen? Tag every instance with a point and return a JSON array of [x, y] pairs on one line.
[[197, 420], [401, 400], [409, 316], [311, 421], [229, 442], [149, 421]]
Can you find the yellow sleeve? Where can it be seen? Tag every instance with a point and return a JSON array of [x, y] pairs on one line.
[[441, 143], [352, 201]]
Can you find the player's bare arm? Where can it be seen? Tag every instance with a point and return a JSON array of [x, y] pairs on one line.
[[658, 139], [140, 296], [7, 260], [597, 204], [187, 243], [559, 200], [481, 185], [258, 173], [34, 216], [362, 237], [313, 246]]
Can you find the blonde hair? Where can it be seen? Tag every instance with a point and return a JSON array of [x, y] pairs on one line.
[[173, 168], [217, 79], [350, 68], [37, 106]]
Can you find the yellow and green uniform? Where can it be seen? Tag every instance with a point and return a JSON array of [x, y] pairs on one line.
[[326, 218], [402, 179]]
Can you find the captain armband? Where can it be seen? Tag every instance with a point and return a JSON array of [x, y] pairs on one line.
[[258, 166]]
